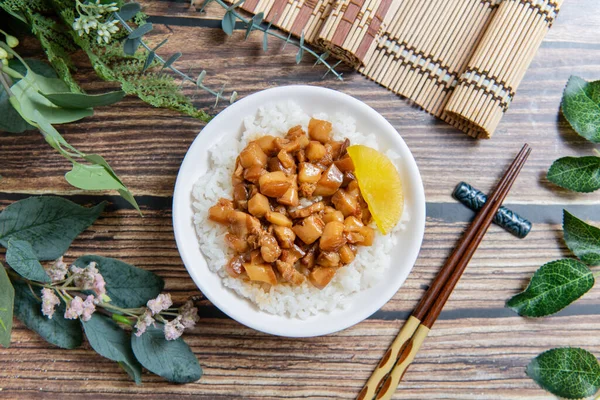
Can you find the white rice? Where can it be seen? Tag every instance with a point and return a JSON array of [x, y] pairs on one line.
[[304, 300]]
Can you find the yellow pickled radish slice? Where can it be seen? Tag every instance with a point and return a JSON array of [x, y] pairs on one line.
[[380, 185]]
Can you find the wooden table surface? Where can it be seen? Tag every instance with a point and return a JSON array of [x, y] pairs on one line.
[[477, 350]]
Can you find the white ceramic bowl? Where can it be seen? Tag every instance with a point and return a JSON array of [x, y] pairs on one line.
[[230, 122]]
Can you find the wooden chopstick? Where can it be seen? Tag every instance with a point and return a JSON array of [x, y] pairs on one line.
[[415, 330]]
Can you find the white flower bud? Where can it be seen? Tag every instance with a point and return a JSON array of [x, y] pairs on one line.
[[12, 41], [3, 54]]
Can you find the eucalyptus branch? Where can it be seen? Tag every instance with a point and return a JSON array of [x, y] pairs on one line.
[[251, 25], [167, 64]]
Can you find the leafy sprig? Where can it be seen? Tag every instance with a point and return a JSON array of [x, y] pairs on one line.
[[256, 24], [124, 315]]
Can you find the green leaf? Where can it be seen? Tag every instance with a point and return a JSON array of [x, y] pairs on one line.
[[149, 59], [27, 92], [7, 298], [580, 174], [570, 373], [11, 120], [82, 101], [160, 45], [21, 257], [582, 239], [110, 341], [228, 22], [581, 107], [129, 10], [265, 43], [49, 223], [171, 359], [39, 67], [200, 79], [126, 285], [92, 177], [554, 286], [61, 332], [171, 60], [140, 31], [300, 53], [130, 46]]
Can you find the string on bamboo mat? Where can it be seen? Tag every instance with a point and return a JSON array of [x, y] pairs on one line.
[[460, 60]]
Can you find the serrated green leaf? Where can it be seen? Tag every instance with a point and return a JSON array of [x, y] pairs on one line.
[[149, 59], [582, 239], [581, 107], [570, 373], [171, 359], [130, 46], [126, 285], [61, 332], [553, 287], [7, 298], [129, 10], [32, 103], [49, 223], [81, 100], [21, 257], [171, 60], [228, 23], [580, 174], [140, 31], [110, 341]]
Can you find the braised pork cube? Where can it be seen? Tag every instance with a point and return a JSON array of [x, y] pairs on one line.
[[274, 184], [297, 134], [309, 259], [274, 165], [353, 224], [261, 272], [238, 173], [310, 229], [258, 205], [285, 236], [307, 189], [292, 254], [269, 248], [277, 218], [333, 236], [286, 159], [345, 164], [331, 214], [240, 196], [289, 273], [321, 276], [253, 173], [242, 224], [328, 259], [220, 211], [345, 202], [290, 197], [235, 266], [306, 211], [238, 244], [267, 145], [309, 173], [346, 254], [315, 151], [319, 130], [253, 155], [330, 182], [291, 146], [368, 234]]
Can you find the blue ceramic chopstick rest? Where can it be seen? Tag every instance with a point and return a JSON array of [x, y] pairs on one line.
[[505, 218]]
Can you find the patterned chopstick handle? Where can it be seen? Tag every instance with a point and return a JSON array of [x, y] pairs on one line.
[[389, 359], [406, 358]]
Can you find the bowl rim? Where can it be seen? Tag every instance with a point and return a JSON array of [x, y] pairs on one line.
[[181, 192]]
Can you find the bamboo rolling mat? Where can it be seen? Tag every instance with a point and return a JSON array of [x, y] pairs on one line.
[[460, 60]]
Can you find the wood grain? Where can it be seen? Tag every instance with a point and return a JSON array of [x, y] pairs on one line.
[[477, 349]]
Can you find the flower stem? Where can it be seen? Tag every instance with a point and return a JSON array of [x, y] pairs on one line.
[[121, 319]]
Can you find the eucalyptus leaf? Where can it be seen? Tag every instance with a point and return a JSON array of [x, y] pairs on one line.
[[582, 239], [27, 92], [171, 359], [49, 223], [160, 44], [581, 107], [92, 177], [126, 285], [299, 55], [570, 373], [130, 46], [249, 28], [149, 59], [200, 79], [140, 31], [112, 342], [61, 332], [7, 298], [39, 67], [11, 120], [554, 286], [228, 22], [82, 100], [129, 10], [580, 174], [171, 60], [265, 43], [21, 257]]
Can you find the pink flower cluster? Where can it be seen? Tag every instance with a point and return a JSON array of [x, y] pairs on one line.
[[49, 302], [89, 278], [81, 308], [187, 318], [58, 270]]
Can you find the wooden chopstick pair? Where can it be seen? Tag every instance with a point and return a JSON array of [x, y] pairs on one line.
[[385, 379]]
